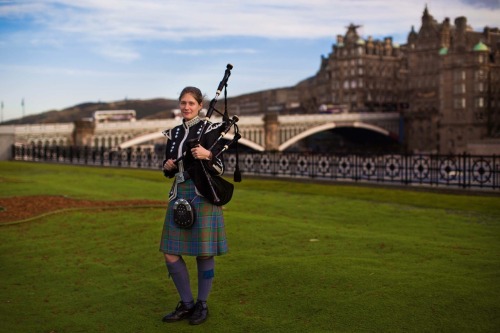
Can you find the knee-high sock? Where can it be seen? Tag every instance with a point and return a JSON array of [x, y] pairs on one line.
[[205, 277], [180, 275]]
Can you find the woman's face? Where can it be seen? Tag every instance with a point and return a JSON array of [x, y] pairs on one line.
[[190, 108]]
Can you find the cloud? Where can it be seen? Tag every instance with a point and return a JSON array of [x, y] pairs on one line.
[[61, 71], [42, 42], [197, 52], [169, 20], [119, 53], [153, 20], [493, 4], [117, 29]]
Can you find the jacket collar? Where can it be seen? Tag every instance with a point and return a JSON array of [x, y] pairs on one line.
[[192, 122]]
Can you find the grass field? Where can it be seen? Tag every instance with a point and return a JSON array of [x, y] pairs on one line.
[[304, 257]]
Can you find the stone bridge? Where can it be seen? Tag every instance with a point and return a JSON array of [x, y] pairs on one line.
[[259, 132], [273, 132]]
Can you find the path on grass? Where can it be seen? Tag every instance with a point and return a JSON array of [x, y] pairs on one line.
[[14, 209]]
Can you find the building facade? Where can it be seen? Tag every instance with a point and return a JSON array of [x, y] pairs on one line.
[[453, 86], [445, 82], [360, 76]]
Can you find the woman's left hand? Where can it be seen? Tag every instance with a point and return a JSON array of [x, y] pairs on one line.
[[201, 153]]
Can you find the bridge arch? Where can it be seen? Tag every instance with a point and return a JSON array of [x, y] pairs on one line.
[[245, 142], [331, 125], [140, 139], [156, 135]]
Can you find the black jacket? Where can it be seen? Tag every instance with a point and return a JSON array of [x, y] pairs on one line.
[[178, 144]]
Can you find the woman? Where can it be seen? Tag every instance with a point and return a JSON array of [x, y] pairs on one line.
[[206, 238]]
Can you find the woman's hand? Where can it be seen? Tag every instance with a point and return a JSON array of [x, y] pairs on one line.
[[169, 165], [201, 153]]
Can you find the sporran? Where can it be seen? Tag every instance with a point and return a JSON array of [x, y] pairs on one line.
[[184, 214]]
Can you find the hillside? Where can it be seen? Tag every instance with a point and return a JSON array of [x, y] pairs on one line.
[[158, 108]]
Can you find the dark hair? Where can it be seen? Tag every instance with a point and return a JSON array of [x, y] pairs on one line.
[[195, 92]]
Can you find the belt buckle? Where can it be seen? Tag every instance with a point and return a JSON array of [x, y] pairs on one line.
[[179, 177]]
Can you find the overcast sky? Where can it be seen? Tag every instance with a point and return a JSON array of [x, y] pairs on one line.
[[58, 53]]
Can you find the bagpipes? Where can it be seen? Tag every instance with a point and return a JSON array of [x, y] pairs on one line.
[[214, 187]]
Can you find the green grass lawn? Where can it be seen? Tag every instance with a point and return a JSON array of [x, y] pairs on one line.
[[304, 257]]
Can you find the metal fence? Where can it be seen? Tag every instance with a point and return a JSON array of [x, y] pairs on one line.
[[458, 171]]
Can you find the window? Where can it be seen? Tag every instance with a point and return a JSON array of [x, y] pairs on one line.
[[480, 102], [480, 74], [459, 103], [479, 86], [459, 75], [459, 88]]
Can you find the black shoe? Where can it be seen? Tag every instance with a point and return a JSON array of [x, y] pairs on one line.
[[180, 312], [200, 313]]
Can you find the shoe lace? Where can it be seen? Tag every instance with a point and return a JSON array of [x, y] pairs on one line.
[[179, 305], [198, 308]]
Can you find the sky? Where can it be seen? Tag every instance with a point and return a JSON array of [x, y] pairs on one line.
[[59, 53]]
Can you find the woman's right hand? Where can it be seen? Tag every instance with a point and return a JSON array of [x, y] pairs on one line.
[[169, 165]]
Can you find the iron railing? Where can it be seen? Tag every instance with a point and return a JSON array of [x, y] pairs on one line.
[[459, 171]]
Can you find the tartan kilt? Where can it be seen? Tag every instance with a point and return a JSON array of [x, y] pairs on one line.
[[207, 236]]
